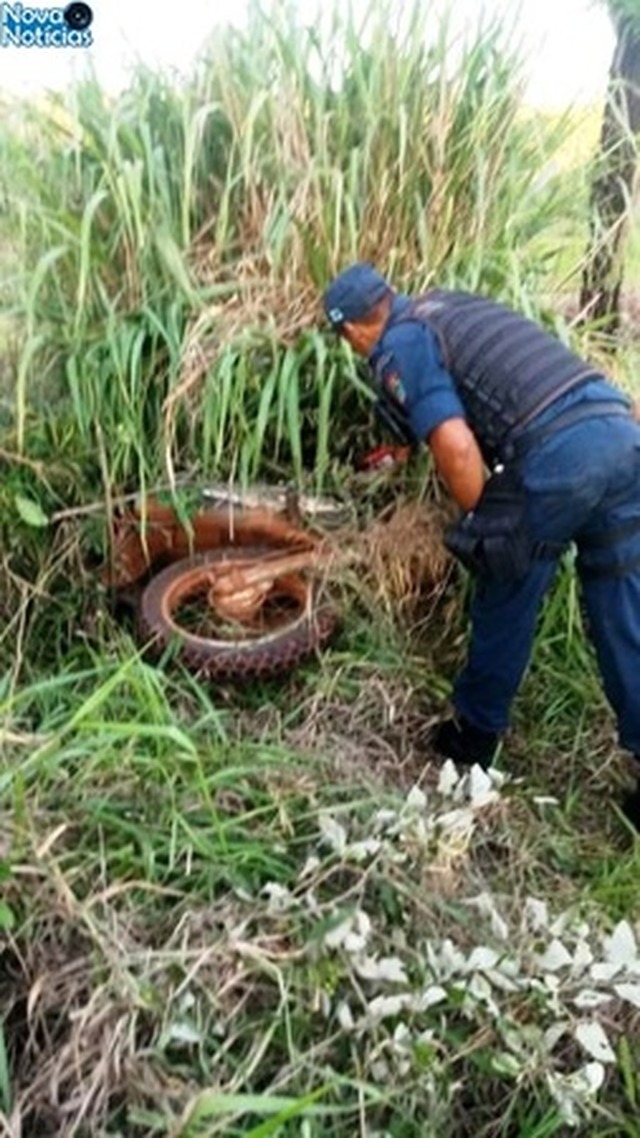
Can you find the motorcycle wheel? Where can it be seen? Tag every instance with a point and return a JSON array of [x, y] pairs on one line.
[[291, 624]]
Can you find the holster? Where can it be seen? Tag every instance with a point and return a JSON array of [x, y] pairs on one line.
[[493, 540]]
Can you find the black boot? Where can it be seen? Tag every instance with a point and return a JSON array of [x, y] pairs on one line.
[[459, 740], [630, 804]]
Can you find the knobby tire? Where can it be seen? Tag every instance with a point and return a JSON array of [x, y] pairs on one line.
[[273, 653]]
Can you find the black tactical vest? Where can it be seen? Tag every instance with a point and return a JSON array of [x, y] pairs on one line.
[[506, 368]]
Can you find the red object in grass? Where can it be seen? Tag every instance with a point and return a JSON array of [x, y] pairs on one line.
[[383, 458]]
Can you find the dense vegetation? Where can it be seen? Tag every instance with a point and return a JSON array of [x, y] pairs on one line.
[[252, 912]]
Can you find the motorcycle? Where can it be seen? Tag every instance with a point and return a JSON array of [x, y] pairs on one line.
[[237, 588]]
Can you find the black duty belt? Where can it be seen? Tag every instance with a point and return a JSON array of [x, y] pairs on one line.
[[518, 447]]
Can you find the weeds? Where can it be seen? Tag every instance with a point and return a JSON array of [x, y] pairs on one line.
[[262, 910], [177, 241]]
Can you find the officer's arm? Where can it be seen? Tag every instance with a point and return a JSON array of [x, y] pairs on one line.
[[415, 374], [459, 461]]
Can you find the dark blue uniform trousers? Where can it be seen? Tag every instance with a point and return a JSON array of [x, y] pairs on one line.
[[583, 485]]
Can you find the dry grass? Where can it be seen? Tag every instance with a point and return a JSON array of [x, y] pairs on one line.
[[123, 1001], [89, 996], [404, 553]]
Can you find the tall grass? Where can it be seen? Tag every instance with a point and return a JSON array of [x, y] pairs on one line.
[[173, 242]]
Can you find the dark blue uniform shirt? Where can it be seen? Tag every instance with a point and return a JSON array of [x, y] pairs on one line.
[[411, 367]]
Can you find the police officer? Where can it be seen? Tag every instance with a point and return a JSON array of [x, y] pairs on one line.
[[490, 390]]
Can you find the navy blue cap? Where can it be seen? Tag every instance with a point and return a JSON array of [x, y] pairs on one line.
[[354, 292]]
